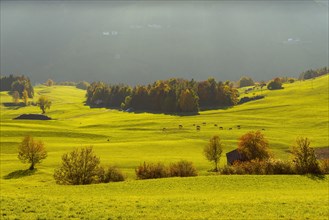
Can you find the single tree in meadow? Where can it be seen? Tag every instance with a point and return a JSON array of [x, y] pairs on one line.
[[304, 157], [44, 103], [213, 151], [15, 96], [25, 97], [31, 151], [253, 145], [49, 82]]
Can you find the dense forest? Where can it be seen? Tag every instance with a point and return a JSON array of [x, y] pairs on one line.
[[173, 95]]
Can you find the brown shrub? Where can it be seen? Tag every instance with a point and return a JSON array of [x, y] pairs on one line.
[[113, 174], [151, 171], [182, 168], [259, 167], [324, 166]]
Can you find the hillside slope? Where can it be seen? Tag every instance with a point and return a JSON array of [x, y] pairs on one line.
[[128, 139]]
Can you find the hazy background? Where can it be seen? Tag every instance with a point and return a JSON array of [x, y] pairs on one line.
[[143, 41]]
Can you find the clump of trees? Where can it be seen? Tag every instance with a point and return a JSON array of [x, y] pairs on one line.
[[182, 168], [245, 81], [44, 103], [67, 83], [49, 82], [256, 158], [82, 166], [275, 84], [309, 74], [31, 151], [16, 83], [169, 96], [213, 151], [82, 85]]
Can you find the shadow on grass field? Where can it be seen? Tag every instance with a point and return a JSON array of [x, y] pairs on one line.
[[19, 174], [317, 177]]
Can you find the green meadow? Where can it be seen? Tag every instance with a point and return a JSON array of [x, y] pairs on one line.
[[128, 139]]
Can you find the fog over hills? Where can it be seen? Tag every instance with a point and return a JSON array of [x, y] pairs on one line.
[[138, 42]]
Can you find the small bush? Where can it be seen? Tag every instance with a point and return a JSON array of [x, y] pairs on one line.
[[151, 171], [182, 168], [275, 84], [113, 174], [324, 166]]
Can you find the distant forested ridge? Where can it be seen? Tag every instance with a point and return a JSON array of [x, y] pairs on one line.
[[17, 83], [309, 74], [168, 96]]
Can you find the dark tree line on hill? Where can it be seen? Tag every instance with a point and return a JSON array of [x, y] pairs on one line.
[[309, 74], [169, 96], [17, 83]]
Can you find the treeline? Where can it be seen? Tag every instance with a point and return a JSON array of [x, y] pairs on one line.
[[309, 74], [17, 83], [169, 96]]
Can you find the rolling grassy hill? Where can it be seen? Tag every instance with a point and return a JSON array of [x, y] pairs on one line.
[[127, 139]]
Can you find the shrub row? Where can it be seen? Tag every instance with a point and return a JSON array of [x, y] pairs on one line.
[[270, 167], [260, 167], [182, 168]]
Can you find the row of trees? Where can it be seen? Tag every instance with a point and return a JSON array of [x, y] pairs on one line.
[[80, 85], [256, 158], [82, 166], [309, 74], [20, 84], [173, 95]]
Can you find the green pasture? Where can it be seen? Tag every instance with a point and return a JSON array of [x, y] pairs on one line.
[[127, 139]]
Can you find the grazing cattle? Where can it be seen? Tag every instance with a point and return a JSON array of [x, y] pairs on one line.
[[193, 124], [221, 128], [215, 125], [204, 123], [108, 139], [230, 129], [164, 129], [198, 127], [238, 126], [263, 129], [180, 126]]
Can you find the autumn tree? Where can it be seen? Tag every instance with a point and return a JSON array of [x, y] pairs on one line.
[[15, 96], [213, 151], [25, 97], [44, 103], [304, 157], [253, 145], [79, 167], [49, 82], [188, 102], [245, 81], [31, 151]]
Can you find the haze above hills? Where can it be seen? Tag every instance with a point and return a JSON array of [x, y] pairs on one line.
[[138, 42]]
